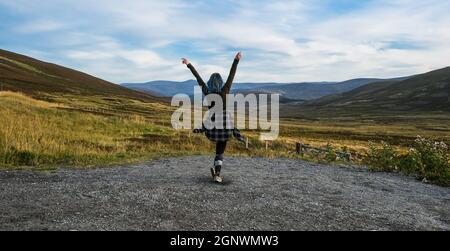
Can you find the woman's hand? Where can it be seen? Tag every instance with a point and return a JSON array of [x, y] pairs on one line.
[[238, 56], [185, 61]]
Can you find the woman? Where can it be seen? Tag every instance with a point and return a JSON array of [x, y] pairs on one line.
[[215, 85]]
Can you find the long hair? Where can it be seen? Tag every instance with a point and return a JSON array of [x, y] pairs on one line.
[[215, 83]]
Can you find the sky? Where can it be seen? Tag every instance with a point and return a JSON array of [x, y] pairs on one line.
[[281, 41]]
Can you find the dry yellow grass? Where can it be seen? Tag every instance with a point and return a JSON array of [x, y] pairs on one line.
[[39, 133], [98, 130], [25, 100], [34, 132]]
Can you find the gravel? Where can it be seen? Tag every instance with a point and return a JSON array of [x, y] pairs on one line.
[[258, 194]]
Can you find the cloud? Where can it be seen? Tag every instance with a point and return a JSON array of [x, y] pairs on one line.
[[285, 41], [108, 57], [40, 26]]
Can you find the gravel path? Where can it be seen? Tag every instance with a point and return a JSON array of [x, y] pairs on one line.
[[258, 194]]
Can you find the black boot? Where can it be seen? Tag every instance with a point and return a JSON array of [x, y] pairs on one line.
[[217, 169]]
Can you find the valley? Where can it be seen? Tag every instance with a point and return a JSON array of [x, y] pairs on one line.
[[54, 116]]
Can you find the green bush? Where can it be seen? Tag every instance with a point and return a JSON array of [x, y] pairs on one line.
[[429, 160], [331, 155], [381, 158], [409, 163]]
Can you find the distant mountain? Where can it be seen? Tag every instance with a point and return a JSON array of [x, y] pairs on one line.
[[288, 91], [28, 75], [425, 92], [309, 91], [170, 88]]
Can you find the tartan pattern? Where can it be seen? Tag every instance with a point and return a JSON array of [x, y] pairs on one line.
[[225, 134], [219, 134], [226, 121]]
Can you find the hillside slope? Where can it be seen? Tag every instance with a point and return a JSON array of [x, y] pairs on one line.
[[28, 75], [310, 91], [429, 91], [425, 92]]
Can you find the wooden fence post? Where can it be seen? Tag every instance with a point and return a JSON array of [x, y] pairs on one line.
[[298, 148]]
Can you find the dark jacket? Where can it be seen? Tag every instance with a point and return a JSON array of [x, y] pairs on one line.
[[227, 86]]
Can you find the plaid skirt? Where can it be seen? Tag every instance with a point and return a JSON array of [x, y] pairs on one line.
[[221, 134]]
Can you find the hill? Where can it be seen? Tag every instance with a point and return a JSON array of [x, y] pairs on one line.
[[169, 88], [288, 91], [310, 91], [24, 74], [426, 92]]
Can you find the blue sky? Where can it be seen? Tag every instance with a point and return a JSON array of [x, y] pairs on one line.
[[283, 41]]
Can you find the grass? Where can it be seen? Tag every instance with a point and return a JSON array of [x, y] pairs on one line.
[[355, 132], [86, 131], [36, 133], [92, 131]]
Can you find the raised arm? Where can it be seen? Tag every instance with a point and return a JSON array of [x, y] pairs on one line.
[[196, 75], [233, 70]]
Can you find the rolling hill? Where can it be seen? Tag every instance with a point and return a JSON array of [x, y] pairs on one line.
[[169, 88], [24, 74], [310, 91], [425, 92], [290, 92]]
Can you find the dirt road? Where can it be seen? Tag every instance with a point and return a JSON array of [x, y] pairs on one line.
[[258, 194]]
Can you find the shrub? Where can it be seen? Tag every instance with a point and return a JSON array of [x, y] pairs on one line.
[[429, 160], [330, 154], [381, 158], [426, 159], [410, 163]]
